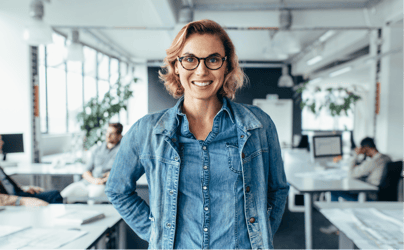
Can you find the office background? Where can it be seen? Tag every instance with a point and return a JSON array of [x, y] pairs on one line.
[[146, 49]]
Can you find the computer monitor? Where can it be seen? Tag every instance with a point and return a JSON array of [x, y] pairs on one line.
[[327, 146], [13, 143]]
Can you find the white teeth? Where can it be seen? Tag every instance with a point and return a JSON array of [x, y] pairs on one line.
[[201, 84]]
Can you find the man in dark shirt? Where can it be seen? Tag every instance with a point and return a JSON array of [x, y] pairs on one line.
[[97, 170], [11, 194]]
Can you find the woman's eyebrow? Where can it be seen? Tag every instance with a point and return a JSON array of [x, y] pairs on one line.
[[191, 54]]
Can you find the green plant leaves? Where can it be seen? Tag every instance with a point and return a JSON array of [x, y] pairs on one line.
[[335, 100], [97, 113]]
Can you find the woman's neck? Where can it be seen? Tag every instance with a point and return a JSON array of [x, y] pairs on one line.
[[201, 110], [200, 115]]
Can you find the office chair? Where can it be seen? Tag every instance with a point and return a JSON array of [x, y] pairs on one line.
[[304, 142], [388, 188]]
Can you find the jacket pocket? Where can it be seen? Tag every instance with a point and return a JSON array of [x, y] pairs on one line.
[[234, 158]]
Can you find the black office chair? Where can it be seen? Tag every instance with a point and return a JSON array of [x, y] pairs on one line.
[[388, 188], [304, 142]]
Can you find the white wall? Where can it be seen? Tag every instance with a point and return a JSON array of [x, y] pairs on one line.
[[389, 122], [137, 107], [15, 91]]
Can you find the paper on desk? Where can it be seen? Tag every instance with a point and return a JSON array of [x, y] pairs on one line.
[[329, 174], [344, 222], [384, 230], [6, 230], [40, 238]]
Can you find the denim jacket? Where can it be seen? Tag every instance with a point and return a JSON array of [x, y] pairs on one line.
[[151, 147]]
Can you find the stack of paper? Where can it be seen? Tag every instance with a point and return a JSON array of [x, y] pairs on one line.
[[79, 217], [39, 238]]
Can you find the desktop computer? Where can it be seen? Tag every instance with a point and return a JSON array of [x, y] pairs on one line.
[[325, 148], [13, 143]]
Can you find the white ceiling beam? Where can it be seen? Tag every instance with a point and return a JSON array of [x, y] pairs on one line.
[[334, 49], [292, 5], [166, 11]]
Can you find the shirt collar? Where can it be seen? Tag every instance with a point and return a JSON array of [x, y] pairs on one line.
[[225, 107], [239, 114]]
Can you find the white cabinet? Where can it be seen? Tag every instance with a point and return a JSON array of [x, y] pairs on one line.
[[281, 113]]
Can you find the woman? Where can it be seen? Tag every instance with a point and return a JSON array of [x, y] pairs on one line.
[[214, 167]]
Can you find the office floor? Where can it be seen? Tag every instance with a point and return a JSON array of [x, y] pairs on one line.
[[290, 234]]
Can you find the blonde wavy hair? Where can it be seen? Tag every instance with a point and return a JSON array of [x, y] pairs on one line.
[[234, 78]]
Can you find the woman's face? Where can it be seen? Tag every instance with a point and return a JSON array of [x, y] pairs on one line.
[[201, 83]]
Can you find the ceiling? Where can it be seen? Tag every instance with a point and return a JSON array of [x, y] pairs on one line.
[[141, 30]]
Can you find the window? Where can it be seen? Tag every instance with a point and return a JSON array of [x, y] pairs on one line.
[[323, 120], [66, 86]]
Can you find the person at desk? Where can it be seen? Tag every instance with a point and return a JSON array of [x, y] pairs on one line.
[[369, 170], [97, 170], [11, 194]]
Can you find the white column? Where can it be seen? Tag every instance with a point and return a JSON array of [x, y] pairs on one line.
[[389, 122]]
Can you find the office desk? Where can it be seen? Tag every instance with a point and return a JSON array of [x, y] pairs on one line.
[[41, 172], [41, 217], [298, 161], [348, 237]]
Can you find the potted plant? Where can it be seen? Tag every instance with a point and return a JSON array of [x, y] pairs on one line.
[[96, 114], [337, 100]]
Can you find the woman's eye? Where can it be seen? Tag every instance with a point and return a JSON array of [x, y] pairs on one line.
[[213, 60], [189, 59]]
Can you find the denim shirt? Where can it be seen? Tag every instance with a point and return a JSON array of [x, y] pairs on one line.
[[210, 192], [151, 147]]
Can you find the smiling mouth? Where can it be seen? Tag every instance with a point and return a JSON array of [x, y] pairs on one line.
[[202, 84]]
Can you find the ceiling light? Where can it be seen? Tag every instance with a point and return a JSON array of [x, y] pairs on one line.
[[287, 42], [314, 60], [285, 80], [272, 54], [37, 32], [316, 80], [75, 49], [326, 35], [340, 71]]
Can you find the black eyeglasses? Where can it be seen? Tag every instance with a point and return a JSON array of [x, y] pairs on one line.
[[213, 62]]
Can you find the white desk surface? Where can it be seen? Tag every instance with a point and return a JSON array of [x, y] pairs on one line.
[[41, 217], [298, 161], [354, 204], [327, 207], [45, 169]]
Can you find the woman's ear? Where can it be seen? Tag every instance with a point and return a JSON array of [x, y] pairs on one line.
[[176, 68]]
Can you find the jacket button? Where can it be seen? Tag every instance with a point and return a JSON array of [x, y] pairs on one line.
[[252, 220], [168, 225], [247, 189], [241, 136], [242, 155]]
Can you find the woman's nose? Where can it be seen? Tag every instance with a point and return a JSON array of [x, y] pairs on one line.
[[202, 69]]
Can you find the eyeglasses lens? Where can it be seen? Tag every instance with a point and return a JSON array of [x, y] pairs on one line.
[[212, 62]]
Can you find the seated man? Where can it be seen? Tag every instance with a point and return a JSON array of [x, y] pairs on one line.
[[368, 170], [97, 170], [12, 194]]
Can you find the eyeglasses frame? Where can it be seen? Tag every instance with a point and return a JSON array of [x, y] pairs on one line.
[[199, 62]]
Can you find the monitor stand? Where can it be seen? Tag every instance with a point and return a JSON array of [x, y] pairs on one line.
[[4, 163]]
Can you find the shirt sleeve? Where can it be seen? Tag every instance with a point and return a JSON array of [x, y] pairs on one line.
[[278, 188], [361, 170], [7, 200], [121, 186], [90, 164]]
